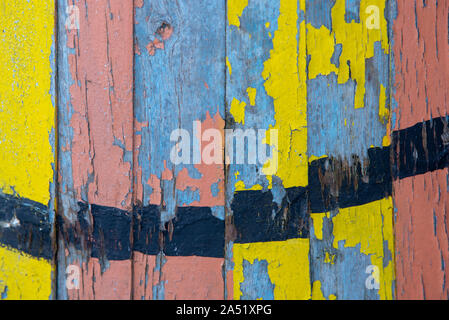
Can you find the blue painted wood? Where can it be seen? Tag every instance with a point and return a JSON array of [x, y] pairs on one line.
[[179, 84]]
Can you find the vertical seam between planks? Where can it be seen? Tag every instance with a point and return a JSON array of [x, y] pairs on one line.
[[225, 171], [133, 165], [55, 236], [392, 151]]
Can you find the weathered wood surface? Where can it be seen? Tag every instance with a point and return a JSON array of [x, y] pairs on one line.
[[341, 194], [420, 120], [95, 98], [27, 148], [179, 85]]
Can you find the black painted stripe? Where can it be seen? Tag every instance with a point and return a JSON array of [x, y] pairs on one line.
[[422, 148], [25, 226], [193, 232], [334, 184], [257, 218], [112, 233]]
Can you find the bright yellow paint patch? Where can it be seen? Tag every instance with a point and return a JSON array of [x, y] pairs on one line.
[[235, 10], [317, 294], [23, 277], [26, 107], [320, 47], [313, 158], [228, 65], [357, 45], [288, 267], [240, 186], [317, 220], [369, 225], [238, 110], [285, 80], [329, 258], [384, 116], [384, 113], [252, 92]]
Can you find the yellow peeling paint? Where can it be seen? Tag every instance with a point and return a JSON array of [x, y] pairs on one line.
[[238, 110], [23, 277], [313, 158], [369, 226], [26, 108], [285, 80], [235, 9], [288, 267], [316, 291], [384, 115], [317, 294], [228, 64], [357, 45], [317, 219], [329, 258], [252, 92], [240, 186], [320, 47]]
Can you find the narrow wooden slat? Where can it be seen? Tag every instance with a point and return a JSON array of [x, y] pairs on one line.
[[420, 116], [348, 124], [96, 139], [27, 149], [267, 218], [180, 82]]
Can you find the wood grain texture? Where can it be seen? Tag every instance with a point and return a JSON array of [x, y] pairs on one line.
[[27, 149], [267, 242], [348, 120], [179, 85], [421, 64], [96, 138], [239, 149]]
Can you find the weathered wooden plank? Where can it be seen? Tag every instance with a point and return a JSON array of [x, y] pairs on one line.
[[179, 193], [348, 123], [95, 151], [421, 66], [266, 199], [27, 149]]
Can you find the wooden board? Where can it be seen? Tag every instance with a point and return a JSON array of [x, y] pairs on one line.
[[179, 193], [420, 124], [27, 148], [240, 149], [267, 218], [348, 124], [95, 86]]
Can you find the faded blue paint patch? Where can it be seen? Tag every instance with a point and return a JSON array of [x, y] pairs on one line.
[[187, 197], [335, 59], [4, 294], [177, 85], [278, 192], [352, 11], [68, 203], [159, 291], [215, 189], [247, 49], [218, 212], [334, 126], [346, 276], [391, 12], [319, 13], [376, 74], [257, 283], [159, 288]]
